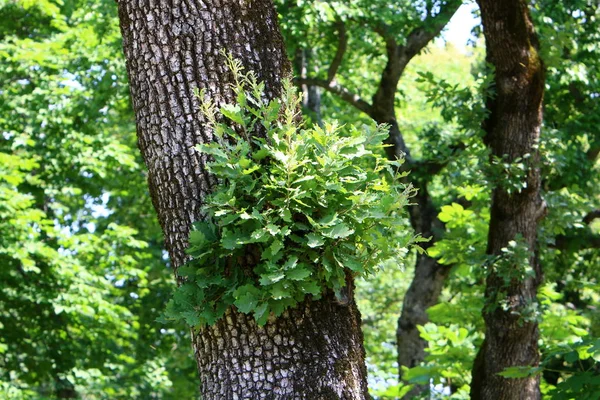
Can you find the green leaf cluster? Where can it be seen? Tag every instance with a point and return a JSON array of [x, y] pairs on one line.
[[450, 348], [295, 212]]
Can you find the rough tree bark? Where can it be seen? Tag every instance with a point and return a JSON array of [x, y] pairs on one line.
[[512, 131], [173, 47]]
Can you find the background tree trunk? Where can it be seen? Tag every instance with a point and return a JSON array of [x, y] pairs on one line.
[[512, 132], [311, 96], [173, 47], [425, 288]]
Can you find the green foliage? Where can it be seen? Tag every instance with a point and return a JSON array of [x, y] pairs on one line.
[[82, 273], [451, 348], [581, 368], [294, 214], [466, 232], [379, 297]]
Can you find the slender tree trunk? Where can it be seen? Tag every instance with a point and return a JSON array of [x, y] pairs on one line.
[[311, 96], [172, 47], [429, 277], [424, 290], [512, 133]]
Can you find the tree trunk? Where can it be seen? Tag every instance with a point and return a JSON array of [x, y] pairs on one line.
[[512, 131], [429, 277], [173, 47], [311, 97], [424, 290]]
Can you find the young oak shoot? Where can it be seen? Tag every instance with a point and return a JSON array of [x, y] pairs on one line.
[[297, 209]]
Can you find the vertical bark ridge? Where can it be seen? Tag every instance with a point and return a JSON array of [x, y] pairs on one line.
[[173, 47], [512, 132], [296, 356]]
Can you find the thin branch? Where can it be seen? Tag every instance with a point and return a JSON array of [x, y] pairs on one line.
[[593, 152], [430, 168], [428, 8], [333, 87], [592, 215], [341, 50], [432, 26], [580, 240]]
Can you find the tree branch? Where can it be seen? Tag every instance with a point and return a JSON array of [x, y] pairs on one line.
[[397, 59], [592, 215], [432, 167], [341, 50], [390, 41], [580, 240], [329, 84], [332, 87], [593, 152], [432, 26]]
